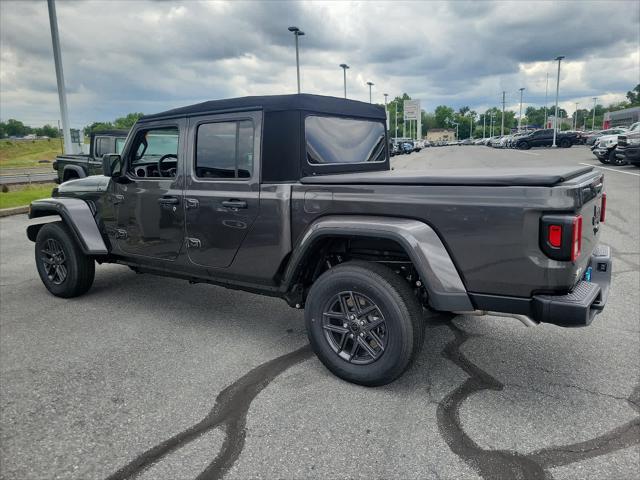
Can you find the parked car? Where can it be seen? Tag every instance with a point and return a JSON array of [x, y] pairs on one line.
[[490, 141], [466, 141], [591, 138], [292, 196], [70, 166], [544, 138], [407, 147], [629, 146], [605, 148]]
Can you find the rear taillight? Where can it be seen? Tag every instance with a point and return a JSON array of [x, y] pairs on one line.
[[603, 207], [576, 237], [554, 236], [561, 236]]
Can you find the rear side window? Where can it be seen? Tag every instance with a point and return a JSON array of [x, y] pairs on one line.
[[225, 149], [333, 140], [102, 146]]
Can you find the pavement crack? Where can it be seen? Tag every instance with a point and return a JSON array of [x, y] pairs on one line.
[[229, 412], [507, 464]]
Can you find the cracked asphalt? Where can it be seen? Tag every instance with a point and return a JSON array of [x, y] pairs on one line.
[[149, 377]]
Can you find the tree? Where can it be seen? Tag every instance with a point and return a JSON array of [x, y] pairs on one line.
[[128, 121], [15, 128], [47, 131], [97, 127], [634, 96], [442, 115]]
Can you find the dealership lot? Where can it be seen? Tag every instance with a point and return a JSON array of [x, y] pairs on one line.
[[157, 378]]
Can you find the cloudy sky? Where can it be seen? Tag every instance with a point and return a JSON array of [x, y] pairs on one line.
[[150, 56]]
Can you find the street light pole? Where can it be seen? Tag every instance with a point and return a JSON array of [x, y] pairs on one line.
[[344, 71], [502, 125], [520, 116], [593, 122], [484, 124], [386, 112], [471, 126], [546, 94], [297, 33], [370, 85], [575, 120], [555, 118], [62, 93]]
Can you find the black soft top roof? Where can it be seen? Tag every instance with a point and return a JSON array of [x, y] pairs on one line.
[[279, 103]]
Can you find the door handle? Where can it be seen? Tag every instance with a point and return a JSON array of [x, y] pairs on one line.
[[234, 204], [168, 201]]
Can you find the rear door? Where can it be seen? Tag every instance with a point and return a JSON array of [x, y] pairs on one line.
[[222, 190]]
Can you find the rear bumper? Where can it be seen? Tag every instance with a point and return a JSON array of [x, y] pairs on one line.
[[577, 308]]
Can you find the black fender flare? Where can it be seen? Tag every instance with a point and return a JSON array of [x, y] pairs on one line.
[[441, 279], [74, 168], [77, 215]]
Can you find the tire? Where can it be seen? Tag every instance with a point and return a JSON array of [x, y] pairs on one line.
[[603, 160], [613, 159], [401, 332], [565, 143], [524, 146], [55, 245]]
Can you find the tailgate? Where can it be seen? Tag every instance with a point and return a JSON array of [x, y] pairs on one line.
[[593, 200]]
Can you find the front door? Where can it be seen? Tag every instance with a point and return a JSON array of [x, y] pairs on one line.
[[150, 217], [222, 189]]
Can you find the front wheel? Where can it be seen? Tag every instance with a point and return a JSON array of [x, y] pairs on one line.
[[63, 268], [364, 323], [565, 143], [614, 160], [524, 146]]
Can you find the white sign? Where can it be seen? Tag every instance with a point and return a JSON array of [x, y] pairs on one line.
[[411, 109]]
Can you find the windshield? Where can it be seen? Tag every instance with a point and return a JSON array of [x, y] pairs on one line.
[[333, 140]]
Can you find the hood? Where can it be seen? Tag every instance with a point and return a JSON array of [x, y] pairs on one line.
[[94, 183], [607, 140]]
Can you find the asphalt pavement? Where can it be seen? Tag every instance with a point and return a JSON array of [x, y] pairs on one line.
[[150, 377]]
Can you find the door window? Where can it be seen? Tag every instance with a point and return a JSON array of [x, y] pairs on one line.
[[225, 150], [152, 146], [102, 146]]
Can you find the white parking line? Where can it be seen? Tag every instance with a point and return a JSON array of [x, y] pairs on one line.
[[527, 153], [612, 169]]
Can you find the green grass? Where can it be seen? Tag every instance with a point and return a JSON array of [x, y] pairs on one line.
[[20, 195], [26, 153]]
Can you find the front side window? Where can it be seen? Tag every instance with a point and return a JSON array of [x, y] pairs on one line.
[[225, 149], [154, 153], [333, 140]]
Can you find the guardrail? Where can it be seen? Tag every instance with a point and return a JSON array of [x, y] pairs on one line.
[[30, 177]]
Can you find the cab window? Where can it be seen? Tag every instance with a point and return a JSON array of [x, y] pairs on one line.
[[154, 153]]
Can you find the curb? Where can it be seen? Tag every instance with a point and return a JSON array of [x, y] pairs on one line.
[[5, 212]]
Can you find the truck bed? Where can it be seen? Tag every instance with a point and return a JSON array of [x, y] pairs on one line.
[[504, 177]]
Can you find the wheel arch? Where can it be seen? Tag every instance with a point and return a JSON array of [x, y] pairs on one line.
[[75, 170], [420, 243], [77, 215]]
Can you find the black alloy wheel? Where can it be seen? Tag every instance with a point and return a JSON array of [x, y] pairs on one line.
[[355, 327], [54, 261]]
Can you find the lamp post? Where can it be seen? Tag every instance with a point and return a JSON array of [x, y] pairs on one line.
[[520, 116], [386, 112], [297, 33], [344, 67], [575, 120], [371, 84], [484, 124], [593, 122], [546, 93], [555, 118], [471, 117]]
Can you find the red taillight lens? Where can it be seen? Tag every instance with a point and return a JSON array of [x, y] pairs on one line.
[[554, 235], [576, 238], [603, 207]]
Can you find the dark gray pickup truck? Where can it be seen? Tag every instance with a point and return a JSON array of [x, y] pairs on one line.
[[292, 196], [70, 166]]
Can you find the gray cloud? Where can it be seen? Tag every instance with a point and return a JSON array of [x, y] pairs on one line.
[[149, 56]]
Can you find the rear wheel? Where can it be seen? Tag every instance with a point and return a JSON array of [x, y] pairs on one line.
[[63, 268], [565, 143], [364, 323]]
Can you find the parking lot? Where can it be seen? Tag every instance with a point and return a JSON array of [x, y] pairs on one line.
[[150, 377]]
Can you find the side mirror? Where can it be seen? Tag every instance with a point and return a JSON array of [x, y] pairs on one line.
[[111, 164]]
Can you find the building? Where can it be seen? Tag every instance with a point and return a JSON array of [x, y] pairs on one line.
[[621, 118], [441, 135]]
